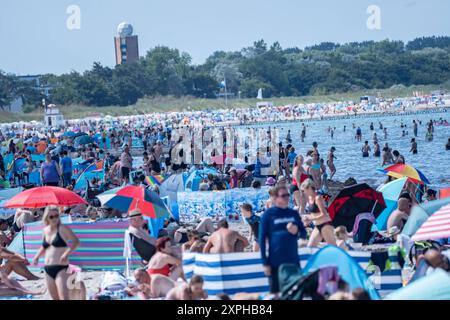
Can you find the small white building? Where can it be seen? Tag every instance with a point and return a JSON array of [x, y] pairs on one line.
[[53, 118], [264, 104]]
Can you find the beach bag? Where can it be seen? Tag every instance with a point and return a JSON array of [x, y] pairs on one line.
[[295, 285], [364, 233]]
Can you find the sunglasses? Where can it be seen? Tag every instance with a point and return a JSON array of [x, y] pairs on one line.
[[284, 196], [53, 217]]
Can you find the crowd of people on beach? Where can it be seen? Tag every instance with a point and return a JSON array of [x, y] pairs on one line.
[[296, 213]]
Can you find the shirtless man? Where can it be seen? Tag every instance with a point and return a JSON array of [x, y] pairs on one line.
[[192, 291], [151, 286], [365, 149], [225, 240], [399, 217]]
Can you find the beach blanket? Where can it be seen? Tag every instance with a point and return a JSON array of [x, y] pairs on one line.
[[243, 272]]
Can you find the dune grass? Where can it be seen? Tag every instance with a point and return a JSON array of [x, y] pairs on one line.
[[168, 104]]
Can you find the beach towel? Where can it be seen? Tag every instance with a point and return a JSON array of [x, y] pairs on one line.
[[113, 281]]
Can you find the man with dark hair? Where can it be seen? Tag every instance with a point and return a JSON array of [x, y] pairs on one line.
[[256, 184], [66, 168], [224, 240], [281, 227], [431, 195], [253, 221], [398, 158]]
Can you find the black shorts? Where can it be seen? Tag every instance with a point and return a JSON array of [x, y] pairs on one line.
[[321, 226], [293, 188], [125, 172], [273, 281], [51, 184]]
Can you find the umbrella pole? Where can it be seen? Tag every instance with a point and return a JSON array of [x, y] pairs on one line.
[[373, 208], [23, 242]]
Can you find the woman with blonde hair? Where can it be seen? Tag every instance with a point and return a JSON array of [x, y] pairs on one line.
[[58, 243], [316, 212]]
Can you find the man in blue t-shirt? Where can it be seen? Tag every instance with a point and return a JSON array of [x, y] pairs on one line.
[[281, 228], [66, 168]]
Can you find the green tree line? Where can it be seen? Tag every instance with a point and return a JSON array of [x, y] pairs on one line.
[[320, 69]]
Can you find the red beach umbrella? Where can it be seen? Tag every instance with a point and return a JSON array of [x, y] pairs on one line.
[[45, 196]]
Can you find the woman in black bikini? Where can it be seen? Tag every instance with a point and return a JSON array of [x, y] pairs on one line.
[[316, 212], [56, 249]]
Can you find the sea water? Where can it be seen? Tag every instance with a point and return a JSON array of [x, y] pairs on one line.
[[432, 158]]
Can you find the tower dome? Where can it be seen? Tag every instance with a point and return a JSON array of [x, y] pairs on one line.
[[125, 30]]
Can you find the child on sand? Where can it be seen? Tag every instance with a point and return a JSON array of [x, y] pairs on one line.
[[341, 237]]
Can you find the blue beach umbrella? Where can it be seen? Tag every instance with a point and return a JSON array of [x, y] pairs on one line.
[[391, 192]]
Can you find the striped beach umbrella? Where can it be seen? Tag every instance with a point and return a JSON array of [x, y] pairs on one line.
[[126, 199], [437, 226], [404, 170]]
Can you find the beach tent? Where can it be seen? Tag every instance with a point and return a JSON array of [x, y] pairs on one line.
[[435, 286], [5, 195], [93, 170], [391, 192], [170, 188], [348, 268], [101, 245], [419, 214], [195, 178]]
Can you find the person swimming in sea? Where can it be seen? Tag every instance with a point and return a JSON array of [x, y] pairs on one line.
[[365, 149], [358, 134], [413, 146], [330, 162], [376, 149]]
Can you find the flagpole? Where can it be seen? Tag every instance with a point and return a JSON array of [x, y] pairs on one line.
[[226, 94]]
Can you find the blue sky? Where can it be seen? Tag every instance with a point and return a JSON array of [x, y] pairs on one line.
[[34, 37]]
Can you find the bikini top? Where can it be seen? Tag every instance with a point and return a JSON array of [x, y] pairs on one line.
[[58, 242], [312, 208]]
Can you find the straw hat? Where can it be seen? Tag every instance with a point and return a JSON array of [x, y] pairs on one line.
[[135, 213]]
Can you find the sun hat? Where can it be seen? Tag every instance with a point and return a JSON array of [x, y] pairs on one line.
[[271, 181], [135, 213]]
